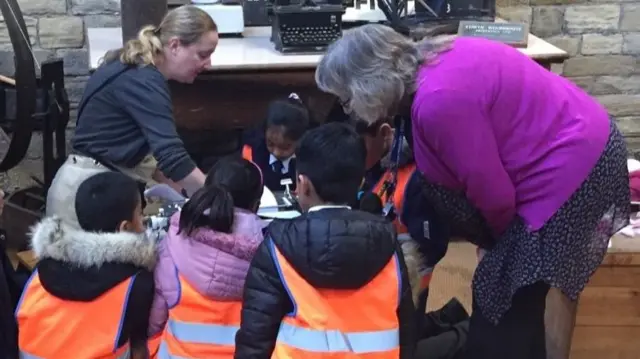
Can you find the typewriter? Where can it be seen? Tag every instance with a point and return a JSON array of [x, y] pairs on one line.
[[308, 26]]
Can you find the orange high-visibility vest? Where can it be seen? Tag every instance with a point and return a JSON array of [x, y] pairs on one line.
[[153, 344], [53, 328], [199, 327], [332, 323], [404, 175], [247, 153]]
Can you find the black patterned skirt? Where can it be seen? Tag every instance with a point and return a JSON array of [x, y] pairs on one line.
[[563, 253]]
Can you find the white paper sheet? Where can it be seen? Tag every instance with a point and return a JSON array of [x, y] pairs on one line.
[[268, 202], [268, 199]]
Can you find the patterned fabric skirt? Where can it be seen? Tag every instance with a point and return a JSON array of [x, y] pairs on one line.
[[564, 253]]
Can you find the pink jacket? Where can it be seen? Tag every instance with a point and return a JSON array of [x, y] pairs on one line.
[[215, 263]]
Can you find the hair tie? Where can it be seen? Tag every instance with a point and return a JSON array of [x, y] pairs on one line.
[[295, 96]]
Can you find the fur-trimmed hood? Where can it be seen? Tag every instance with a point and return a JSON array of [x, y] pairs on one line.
[[51, 238]]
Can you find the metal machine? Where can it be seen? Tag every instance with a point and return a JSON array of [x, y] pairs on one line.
[[32, 104]]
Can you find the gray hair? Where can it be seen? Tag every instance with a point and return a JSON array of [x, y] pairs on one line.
[[373, 67]]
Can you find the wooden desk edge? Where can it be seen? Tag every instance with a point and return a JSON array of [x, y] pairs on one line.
[[552, 54]]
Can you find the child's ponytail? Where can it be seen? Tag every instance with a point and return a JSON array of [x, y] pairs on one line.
[[211, 206]]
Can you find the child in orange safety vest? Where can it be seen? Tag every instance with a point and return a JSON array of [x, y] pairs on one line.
[[331, 283], [203, 262], [392, 177], [90, 294]]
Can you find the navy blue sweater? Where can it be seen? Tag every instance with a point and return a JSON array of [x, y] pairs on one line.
[[126, 113]]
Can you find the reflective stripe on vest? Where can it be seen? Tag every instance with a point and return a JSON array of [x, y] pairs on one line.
[[200, 327], [124, 355], [360, 323], [247, 153], [404, 175], [92, 329], [331, 341]]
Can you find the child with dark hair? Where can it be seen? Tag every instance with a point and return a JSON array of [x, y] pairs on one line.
[[392, 177], [332, 281], [272, 147], [93, 279], [203, 262]]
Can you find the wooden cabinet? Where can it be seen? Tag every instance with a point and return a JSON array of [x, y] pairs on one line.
[[607, 324]]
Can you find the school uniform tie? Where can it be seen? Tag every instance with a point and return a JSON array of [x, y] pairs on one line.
[[278, 166]]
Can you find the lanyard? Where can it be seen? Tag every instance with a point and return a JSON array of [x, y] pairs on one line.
[[389, 185]]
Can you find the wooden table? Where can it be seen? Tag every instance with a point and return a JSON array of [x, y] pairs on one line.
[[246, 73], [607, 324]]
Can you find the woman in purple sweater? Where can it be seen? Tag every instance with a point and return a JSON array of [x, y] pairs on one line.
[[519, 160]]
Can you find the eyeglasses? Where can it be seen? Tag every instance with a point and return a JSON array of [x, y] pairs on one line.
[[345, 104]]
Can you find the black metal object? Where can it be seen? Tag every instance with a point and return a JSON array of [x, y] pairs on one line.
[[55, 119], [25, 207], [305, 27], [26, 86], [256, 12], [443, 15], [135, 14]]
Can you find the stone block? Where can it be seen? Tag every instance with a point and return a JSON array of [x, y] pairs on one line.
[[584, 82], [631, 44], [516, 14], [570, 44], [6, 63], [43, 7], [606, 85], [547, 20], [629, 125], [510, 3], [76, 61], [592, 18], [600, 65], [75, 88], [557, 68], [83, 7], [60, 32], [102, 21], [630, 17], [597, 44], [7, 66], [31, 29], [607, 1], [556, 2], [621, 105]]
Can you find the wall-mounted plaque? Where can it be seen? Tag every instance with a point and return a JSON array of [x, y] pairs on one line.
[[514, 34]]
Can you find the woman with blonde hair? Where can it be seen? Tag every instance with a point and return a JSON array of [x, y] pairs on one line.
[[125, 119], [519, 160]]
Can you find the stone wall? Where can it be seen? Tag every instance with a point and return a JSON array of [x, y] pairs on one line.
[[56, 28], [603, 39]]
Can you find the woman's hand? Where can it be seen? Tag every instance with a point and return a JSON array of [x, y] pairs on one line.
[[158, 176]]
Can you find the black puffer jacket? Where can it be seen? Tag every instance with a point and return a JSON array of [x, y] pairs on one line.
[[333, 248]]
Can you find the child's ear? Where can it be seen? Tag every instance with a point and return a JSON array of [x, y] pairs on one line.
[[304, 186], [125, 226], [385, 130]]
